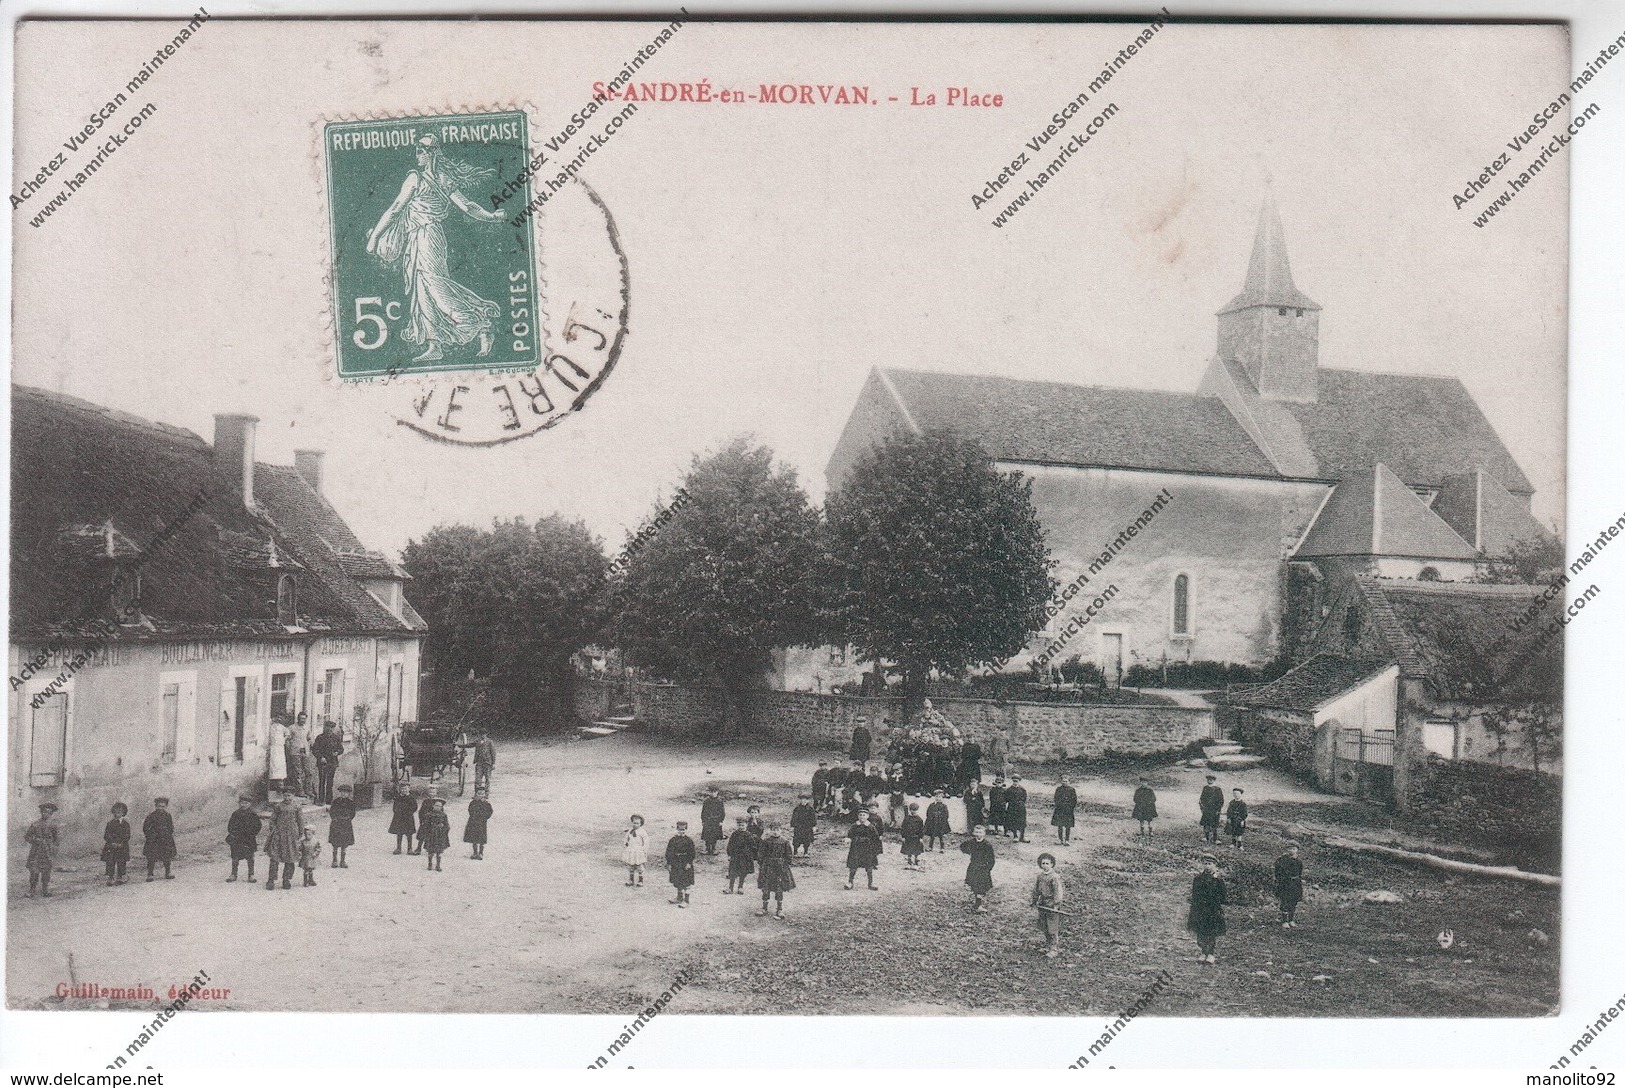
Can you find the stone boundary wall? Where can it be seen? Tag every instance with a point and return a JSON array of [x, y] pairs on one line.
[[1508, 809], [1286, 736], [1036, 731]]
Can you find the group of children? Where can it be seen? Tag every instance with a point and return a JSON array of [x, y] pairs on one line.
[[419, 823]]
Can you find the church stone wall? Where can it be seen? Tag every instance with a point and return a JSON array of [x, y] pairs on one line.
[[1035, 731], [1229, 536]]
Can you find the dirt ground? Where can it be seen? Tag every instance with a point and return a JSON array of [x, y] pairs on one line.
[[546, 924]]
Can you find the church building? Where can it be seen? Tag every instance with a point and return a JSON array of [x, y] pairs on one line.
[[1277, 480]]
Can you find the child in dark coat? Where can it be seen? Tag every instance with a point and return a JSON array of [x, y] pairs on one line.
[[474, 829], [1015, 809], [1145, 808], [423, 811], [1206, 917], [820, 785], [403, 818], [741, 857], [1211, 802], [996, 807], [158, 838], [116, 845], [1289, 885], [341, 827], [979, 871], [712, 813], [864, 853], [913, 837], [1066, 811], [975, 806], [434, 831], [803, 822], [775, 877], [243, 837], [680, 854], [1236, 817], [936, 822]]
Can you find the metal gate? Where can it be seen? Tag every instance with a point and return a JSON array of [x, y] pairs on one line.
[[1363, 764]]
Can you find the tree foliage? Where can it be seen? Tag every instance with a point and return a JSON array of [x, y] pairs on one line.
[[935, 558], [1532, 561], [510, 603], [726, 578]]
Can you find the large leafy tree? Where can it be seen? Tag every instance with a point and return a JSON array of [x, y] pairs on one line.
[[511, 603], [716, 583], [1532, 561], [935, 558]]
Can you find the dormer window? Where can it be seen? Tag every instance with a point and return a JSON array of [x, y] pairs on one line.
[[287, 601], [1283, 312], [1300, 311]]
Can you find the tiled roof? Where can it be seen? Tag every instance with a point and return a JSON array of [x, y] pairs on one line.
[[1484, 513], [1058, 424], [1310, 685], [77, 464], [1374, 513], [1424, 428], [1462, 638]]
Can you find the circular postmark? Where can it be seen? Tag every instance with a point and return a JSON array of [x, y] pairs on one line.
[[479, 289]]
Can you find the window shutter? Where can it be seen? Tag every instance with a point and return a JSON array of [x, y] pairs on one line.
[[186, 738], [225, 750]]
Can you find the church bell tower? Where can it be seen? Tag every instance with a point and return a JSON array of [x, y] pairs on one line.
[[1272, 329]]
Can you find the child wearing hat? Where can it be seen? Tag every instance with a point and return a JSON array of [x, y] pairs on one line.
[[1206, 917], [158, 838], [1236, 817], [775, 877], [741, 856], [1145, 807], [341, 826], [424, 809], [403, 817], [242, 836], [913, 830], [936, 822], [1211, 802], [1015, 809], [310, 855], [803, 821], [116, 844], [680, 854], [979, 870], [42, 840], [434, 831], [479, 814], [635, 852]]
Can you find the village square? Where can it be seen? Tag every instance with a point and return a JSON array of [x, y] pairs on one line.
[[1252, 693]]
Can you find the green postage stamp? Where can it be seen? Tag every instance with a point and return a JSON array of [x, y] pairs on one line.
[[429, 271]]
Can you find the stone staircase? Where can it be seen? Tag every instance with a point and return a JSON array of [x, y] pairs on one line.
[[607, 726], [1225, 756]]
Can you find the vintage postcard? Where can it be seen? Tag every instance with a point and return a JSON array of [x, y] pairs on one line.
[[645, 522]]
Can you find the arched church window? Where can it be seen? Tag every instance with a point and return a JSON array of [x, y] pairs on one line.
[[1182, 605]]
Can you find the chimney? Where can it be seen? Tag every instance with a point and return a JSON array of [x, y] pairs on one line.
[[234, 453], [309, 465]]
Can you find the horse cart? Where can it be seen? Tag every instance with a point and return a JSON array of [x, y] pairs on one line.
[[432, 750]]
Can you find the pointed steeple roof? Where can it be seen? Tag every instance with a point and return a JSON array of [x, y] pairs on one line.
[[1374, 513], [1269, 273]]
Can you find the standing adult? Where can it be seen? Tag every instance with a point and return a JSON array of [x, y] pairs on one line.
[[861, 740], [1211, 802], [970, 762], [485, 760], [282, 842], [1015, 809], [1066, 809], [712, 814], [327, 748], [306, 758], [1206, 917], [276, 757]]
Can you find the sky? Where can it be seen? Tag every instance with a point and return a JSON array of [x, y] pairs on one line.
[[776, 253]]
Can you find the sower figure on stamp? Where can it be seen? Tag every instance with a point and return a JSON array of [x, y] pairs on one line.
[[1289, 885], [1211, 803], [410, 236], [116, 844], [712, 814], [680, 855], [158, 838], [42, 837], [282, 841], [243, 836]]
